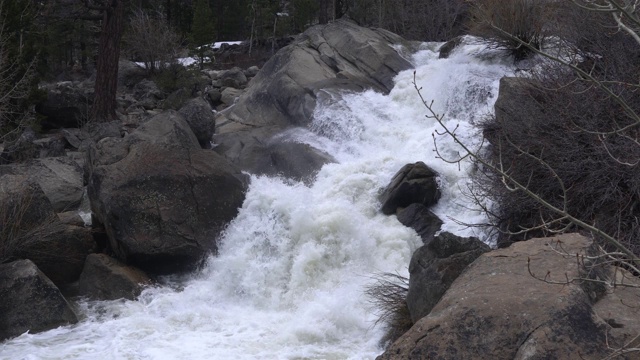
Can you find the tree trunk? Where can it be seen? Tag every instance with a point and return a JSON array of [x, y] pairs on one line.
[[323, 14], [104, 106]]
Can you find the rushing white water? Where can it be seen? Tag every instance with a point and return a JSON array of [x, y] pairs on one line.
[[292, 268]]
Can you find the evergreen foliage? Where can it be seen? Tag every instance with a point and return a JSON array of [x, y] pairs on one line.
[[18, 63], [203, 30]]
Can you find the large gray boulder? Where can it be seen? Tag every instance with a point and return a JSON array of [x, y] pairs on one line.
[[162, 199], [325, 59], [333, 57], [30, 301], [230, 95], [498, 310], [105, 278]]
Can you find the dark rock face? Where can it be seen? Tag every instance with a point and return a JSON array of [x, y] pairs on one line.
[[496, 310], [38, 234], [420, 219], [23, 148], [147, 89], [292, 160], [324, 59], [66, 105], [105, 278], [435, 266], [162, 199], [30, 301], [129, 73], [515, 105], [447, 48], [24, 200], [100, 130], [413, 184], [60, 254], [199, 116]]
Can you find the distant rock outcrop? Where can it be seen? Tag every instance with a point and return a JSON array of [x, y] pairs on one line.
[[324, 61]]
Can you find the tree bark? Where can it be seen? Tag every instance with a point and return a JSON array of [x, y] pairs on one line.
[[104, 106], [323, 14]]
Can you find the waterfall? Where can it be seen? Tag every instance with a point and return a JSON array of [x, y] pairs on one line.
[[289, 279]]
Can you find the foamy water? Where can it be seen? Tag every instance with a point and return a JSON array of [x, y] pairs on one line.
[[292, 267]]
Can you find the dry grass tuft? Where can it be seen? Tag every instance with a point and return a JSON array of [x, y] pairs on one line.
[[494, 21], [388, 297]]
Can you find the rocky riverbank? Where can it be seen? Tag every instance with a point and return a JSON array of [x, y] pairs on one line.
[[164, 181]]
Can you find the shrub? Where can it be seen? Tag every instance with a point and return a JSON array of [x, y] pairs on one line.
[[388, 296], [572, 151], [494, 20], [150, 39]]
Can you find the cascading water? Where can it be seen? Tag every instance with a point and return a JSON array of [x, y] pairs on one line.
[[289, 279]]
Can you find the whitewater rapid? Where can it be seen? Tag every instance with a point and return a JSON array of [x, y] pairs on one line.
[[292, 268]]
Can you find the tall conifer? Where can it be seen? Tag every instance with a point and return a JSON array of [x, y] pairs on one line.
[[203, 29]]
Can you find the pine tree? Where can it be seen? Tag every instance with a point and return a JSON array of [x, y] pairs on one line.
[[18, 62], [203, 29], [104, 106]]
